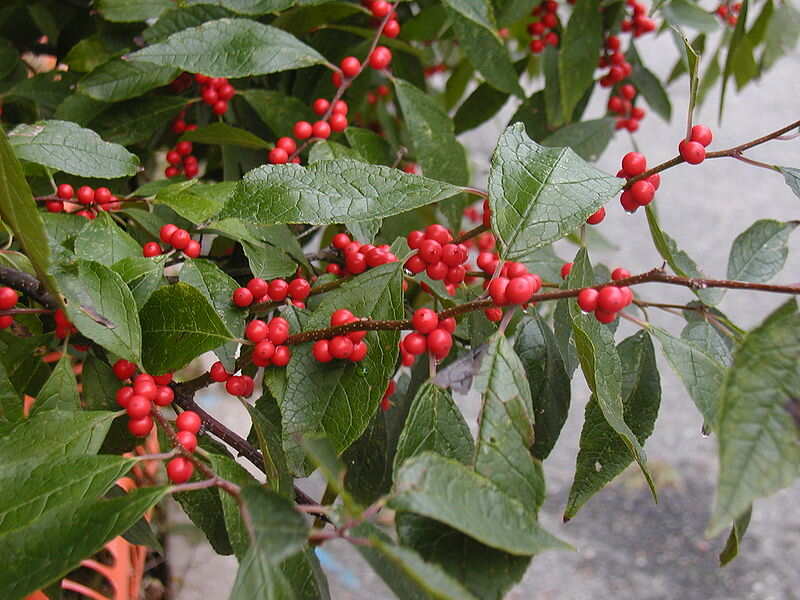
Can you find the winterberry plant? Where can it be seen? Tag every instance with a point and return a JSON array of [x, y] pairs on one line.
[[271, 201]]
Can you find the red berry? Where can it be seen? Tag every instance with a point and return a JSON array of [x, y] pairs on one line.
[[359, 351], [220, 107], [179, 470], [242, 297], [321, 129], [287, 144], [138, 407], [262, 353], [188, 440], [277, 156], [209, 95], [456, 274], [391, 29], [604, 316], [628, 91], [642, 192], [566, 269], [415, 343], [620, 273], [439, 343], [278, 290], [164, 395], [627, 201], [610, 299], [180, 239], [85, 194], [380, 58], [692, 152], [166, 231], [655, 180], [633, 164], [494, 314], [278, 330], [256, 331], [551, 39], [123, 369], [597, 217], [414, 239], [226, 91], [282, 356], [65, 191], [487, 262], [140, 427], [341, 317], [338, 122], [320, 106], [188, 420], [321, 351], [302, 130], [164, 379], [299, 289], [151, 249], [425, 320], [497, 290], [124, 395], [519, 290], [193, 249], [701, 134], [587, 299], [340, 240], [380, 8], [415, 264], [54, 206], [182, 148], [437, 271], [340, 107], [453, 254], [171, 172], [627, 295], [350, 66], [258, 287], [218, 372], [356, 263], [430, 251]]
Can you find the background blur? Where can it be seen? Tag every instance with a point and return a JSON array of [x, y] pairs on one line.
[[626, 545]]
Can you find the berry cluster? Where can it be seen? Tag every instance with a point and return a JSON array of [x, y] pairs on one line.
[[431, 334], [386, 400], [180, 468], [358, 257], [180, 158], [729, 13], [178, 238], [180, 126], [277, 290], [269, 339], [642, 192], [382, 91], [138, 399], [618, 66], [543, 29], [693, 150], [350, 346], [380, 9], [607, 301], [637, 22], [514, 285], [622, 105], [216, 92], [236, 385], [437, 255], [8, 300], [303, 130], [93, 200]]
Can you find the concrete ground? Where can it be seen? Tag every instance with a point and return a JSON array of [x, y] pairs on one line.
[[628, 547]]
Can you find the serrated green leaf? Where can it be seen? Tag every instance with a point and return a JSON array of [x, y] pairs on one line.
[[539, 195], [326, 150], [474, 26], [758, 448], [19, 213], [103, 241], [195, 201], [120, 79], [30, 489], [449, 492], [67, 147], [46, 90], [792, 178], [79, 109], [142, 275], [759, 253], [178, 18], [178, 324], [223, 134], [330, 192], [603, 455], [250, 7], [581, 43], [60, 391], [229, 469], [588, 139], [63, 536], [338, 398], [370, 146], [231, 48], [434, 424], [126, 11], [218, 289], [136, 120], [548, 380]]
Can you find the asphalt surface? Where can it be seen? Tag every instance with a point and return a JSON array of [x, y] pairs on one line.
[[627, 546]]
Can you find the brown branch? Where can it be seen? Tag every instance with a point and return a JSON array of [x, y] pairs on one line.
[[28, 284]]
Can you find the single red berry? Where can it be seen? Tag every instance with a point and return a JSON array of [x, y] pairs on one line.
[[642, 192], [256, 331], [551, 38], [302, 130], [54, 206], [628, 91], [440, 342], [425, 320], [338, 122], [321, 129], [487, 262], [258, 287], [633, 164], [701, 134], [242, 297], [631, 125], [321, 351], [262, 353], [350, 66], [355, 263], [286, 144], [519, 290], [166, 231], [124, 395], [218, 372], [415, 264], [415, 343], [430, 251], [299, 289], [340, 107], [180, 239], [138, 407], [123, 369], [566, 269], [282, 356], [692, 152], [320, 106], [164, 379], [637, 112], [587, 299], [620, 273], [341, 316], [164, 395], [456, 275], [277, 156], [140, 427], [437, 271], [193, 249], [188, 420], [380, 8], [151, 249], [65, 191], [494, 314], [610, 299], [453, 254], [359, 352], [497, 290], [209, 95], [628, 203], [179, 470], [182, 148], [655, 180], [188, 440], [604, 316], [171, 172], [333, 269], [415, 238], [597, 217], [146, 388], [278, 289], [391, 29], [226, 91], [380, 58], [278, 330], [627, 295], [178, 126], [340, 240], [336, 79], [85, 194], [220, 107]]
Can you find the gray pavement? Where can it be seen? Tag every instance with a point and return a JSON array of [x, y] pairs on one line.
[[628, 547]]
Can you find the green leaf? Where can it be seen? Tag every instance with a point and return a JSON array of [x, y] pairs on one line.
[[279, 111], [434, 424], [474, 26], [224, 134], [650, 86], [683, 12], [330, 192], [126, 11], [548, 380], [63, 536], [231, 48], [326, 150], [758, 449], [603, 455], [120, 79], [481, 105], [368, 144], [539, 195], [101, 306], [322, 454], [100, 385], [735, 39], [204, 508], [137, 120], [581, 43], [140, 533], [178, 324], [268, 434], [60, 391], [533, 114], [792, 177], [19, 213], [195, 201], [10, 400], [731, 549], [30, 489], [681, 263], [250, 7], [67, 147], [178, 18], [88, 54], [588, 139], [142, 275], [103, 241], [432, 136], [781, 36], [227, 468], [759, 253], [218, 289], [53, 433], [449, 492], [338, 398]]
